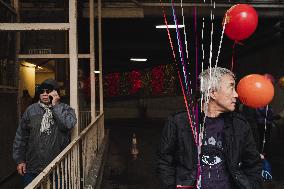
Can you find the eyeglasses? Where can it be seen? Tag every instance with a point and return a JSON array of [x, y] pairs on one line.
[[47, 91]]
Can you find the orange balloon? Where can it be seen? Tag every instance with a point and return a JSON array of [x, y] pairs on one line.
[[255, 91]]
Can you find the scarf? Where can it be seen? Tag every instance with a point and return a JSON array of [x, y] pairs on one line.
[[47, 119]]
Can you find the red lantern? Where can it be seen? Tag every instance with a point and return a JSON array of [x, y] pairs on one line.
[[255, 91], [241, 21], [136, 82], [157, 80]]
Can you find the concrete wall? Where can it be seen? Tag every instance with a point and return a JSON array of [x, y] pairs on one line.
[[27, 78], [154, 108]]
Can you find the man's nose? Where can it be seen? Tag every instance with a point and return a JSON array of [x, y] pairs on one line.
[[236, 94]]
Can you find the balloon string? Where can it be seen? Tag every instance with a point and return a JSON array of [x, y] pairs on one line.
[[196, 107], [196, 65], [179, 75], [233, 56], [265, 128], [196, 50], [186, 79], [187, 110]]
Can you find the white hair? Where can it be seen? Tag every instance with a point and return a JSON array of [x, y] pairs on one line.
[[210, 79]]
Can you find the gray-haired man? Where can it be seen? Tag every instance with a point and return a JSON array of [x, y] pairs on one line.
[[229, 158]]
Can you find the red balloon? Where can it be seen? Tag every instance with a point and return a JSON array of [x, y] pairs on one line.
[[241, 21], [255, 91]]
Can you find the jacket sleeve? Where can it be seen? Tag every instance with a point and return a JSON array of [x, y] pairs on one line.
[[250, 115], [166, 151], [251, 161], [21, 139], [65, 116]]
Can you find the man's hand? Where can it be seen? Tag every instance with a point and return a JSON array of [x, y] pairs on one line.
[[55, 97], [21, 168]]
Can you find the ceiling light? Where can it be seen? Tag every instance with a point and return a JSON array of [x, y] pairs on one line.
[[138, 59], [169, 26]]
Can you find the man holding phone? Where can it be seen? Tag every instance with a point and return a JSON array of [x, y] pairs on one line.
[[43, 132]]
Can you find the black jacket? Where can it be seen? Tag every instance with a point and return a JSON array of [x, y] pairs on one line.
[[38, 150], [177, 154]]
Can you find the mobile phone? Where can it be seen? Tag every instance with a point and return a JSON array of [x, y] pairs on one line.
[[50, 98]]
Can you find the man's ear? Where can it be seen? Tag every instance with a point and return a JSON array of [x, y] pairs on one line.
[[212, 94]]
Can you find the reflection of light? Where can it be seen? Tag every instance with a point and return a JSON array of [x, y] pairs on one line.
[[244, 14], [29, 65], [40, 68], [258, 85], [169, 26], [138, 59], [97, 72]]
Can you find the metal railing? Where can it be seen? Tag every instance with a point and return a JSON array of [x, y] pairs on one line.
[[71, 168], [84, 119]]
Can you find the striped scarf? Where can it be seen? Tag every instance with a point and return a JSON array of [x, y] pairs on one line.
[[47, 119]]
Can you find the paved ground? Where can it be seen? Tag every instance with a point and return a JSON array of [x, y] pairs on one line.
[[122, 172]]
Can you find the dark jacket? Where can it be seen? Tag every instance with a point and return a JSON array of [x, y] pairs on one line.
[[177, 154], [38, 149]]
